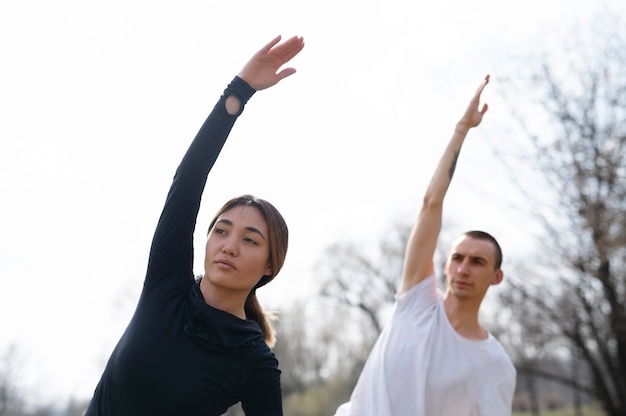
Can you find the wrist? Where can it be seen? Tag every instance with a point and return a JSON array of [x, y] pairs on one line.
[[240, 87], [461, 128]]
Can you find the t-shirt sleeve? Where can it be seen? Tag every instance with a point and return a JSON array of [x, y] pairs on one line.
[[419, 298], [171, 254]]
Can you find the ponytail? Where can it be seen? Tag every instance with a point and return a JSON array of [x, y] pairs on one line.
[[255, 312]]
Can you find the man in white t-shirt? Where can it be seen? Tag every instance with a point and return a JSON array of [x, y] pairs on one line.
[[434, 358]]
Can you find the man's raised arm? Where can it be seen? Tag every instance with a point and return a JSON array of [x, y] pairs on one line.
[[420, 249]]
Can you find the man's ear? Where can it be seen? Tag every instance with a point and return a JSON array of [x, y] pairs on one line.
[[446, 266], [497, 279]]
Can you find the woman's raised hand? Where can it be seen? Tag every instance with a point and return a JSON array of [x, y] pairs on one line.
[[263, 70]]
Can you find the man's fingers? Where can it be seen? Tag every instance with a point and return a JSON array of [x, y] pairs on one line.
[[482, 86]]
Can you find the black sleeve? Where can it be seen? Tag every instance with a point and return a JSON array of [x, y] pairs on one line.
[[264, 397], [171, 254]]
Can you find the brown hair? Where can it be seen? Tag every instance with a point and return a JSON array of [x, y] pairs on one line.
[[481, 235], [278, 241]]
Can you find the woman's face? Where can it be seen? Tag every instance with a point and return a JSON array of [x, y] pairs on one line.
[[237, 249]]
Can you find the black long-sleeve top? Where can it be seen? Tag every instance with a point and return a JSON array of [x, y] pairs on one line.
[[178, 355]]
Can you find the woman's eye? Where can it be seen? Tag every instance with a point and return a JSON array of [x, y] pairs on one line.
[[249, 240]]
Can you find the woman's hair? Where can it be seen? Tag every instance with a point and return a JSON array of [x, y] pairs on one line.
[[481, 235], [278, 241]]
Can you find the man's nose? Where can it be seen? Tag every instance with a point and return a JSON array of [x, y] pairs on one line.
[[462, 267]]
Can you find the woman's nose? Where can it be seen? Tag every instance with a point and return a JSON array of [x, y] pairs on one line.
[[230, 247]]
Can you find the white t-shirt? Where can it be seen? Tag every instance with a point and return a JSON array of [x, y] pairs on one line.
[[420, 366]]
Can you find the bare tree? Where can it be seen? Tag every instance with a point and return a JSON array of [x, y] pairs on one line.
[[366, 281], [11, 401], [573, 296], [319, 356], [302, 350]]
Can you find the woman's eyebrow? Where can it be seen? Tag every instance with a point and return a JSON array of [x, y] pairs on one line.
[[248, 228], [256, 231]]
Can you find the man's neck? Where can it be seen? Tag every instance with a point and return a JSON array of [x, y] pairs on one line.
[[463, 316]]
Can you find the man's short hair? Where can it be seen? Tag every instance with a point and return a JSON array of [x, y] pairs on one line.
[[481, 235]]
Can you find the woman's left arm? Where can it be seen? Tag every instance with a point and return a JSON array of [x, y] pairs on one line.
[[171, 253]]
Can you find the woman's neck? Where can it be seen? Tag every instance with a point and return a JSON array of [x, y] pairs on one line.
[[226, 300]]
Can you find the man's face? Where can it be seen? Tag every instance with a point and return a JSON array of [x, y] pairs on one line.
[[470, 268]]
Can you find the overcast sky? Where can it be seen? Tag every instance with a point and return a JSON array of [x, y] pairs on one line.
[[99, 100]]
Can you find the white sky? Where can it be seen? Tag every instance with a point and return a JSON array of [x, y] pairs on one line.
[[99, 100]]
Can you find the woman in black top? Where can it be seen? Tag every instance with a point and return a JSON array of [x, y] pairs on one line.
[[198, 347]]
